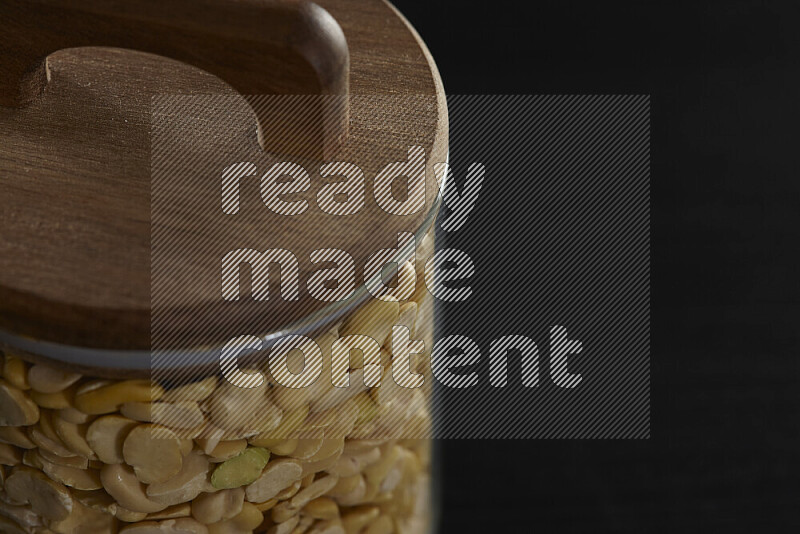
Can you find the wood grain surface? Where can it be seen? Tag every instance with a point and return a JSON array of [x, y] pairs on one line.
[[75, 163]]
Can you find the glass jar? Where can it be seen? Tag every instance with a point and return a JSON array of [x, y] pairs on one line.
[[85, 449], [80, 453]]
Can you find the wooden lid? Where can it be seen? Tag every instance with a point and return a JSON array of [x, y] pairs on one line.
[[78, 221]]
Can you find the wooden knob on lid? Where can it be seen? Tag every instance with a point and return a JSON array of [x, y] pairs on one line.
[[258, 47]]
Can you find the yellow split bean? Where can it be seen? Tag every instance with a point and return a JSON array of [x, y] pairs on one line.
[[278, 475], [214, 507], [58, 400], [110, 397], [10, 455], [73, 436], [154, 452], [191, 481], [195, 391], [16, 436], [243, 523], [16, 407], [374, 320], [225, 450], [48, 498], [357, 518], [322, 508], [290, 422], [15, 372], [173, 512], [47, 379], [121, 483], [106, 436]]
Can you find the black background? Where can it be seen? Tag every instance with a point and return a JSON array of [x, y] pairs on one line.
[[725, 447]]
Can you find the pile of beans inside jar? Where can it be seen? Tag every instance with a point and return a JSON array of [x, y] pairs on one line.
[[80, 454]]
